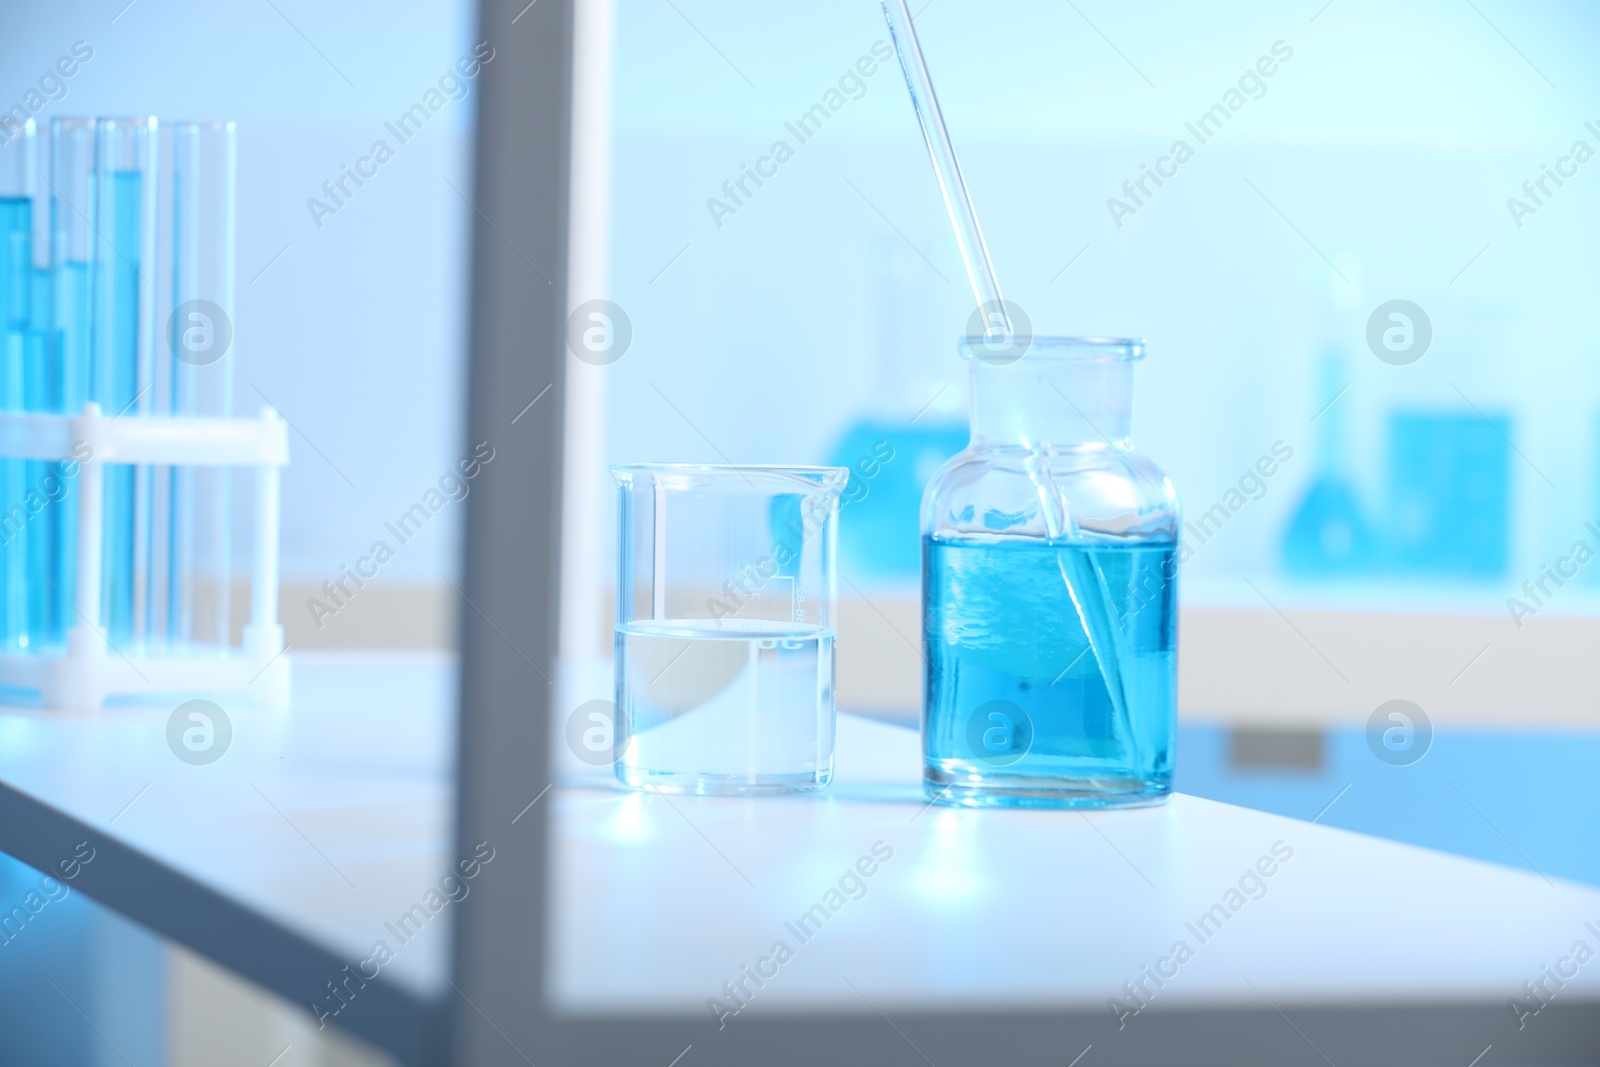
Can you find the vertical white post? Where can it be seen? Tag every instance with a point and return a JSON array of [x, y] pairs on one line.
[[264, 577], [585, 567], [264, 588], [263, 637], [91, 533], [78, 681]]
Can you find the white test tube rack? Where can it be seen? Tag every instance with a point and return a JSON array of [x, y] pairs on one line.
[[82, 676]]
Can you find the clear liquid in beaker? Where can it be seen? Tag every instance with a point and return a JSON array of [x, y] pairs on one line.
[[741, 707]]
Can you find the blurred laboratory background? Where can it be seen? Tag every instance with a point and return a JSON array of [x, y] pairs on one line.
[[1358, 237], [814, 310]]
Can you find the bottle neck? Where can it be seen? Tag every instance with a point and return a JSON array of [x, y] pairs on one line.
[[1058, 403]]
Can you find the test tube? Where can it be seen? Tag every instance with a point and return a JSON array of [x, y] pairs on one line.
[[18, 188], [121, 348], [199, 566], [42, 477], [72, 206], [71, 247]]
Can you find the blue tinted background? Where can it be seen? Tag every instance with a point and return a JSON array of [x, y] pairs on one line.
[[1376, 166]]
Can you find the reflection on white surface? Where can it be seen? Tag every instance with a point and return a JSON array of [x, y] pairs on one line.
[[948, 871], [630, 823]]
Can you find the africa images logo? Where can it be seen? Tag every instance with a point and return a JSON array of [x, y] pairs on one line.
[[199, 732], [1399, 332]]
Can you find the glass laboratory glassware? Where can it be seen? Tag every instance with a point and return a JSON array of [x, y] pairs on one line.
[[1049, 588], [72, 247], [725, 627], [65, 379], [21, 351], [192, 573], [121, 352]]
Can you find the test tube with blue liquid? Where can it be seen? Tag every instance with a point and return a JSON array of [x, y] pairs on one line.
[[121, 349], [63, 380], [20, 350], [45, 486]]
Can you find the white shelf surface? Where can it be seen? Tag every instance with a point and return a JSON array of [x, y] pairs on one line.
[[662, 899], [282, 860], [287, 858]]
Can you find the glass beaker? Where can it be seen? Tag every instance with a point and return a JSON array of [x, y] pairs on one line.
[[725, 627], [1049, 588]]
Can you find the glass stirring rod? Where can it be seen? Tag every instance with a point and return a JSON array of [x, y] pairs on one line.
[[1086, 587], [963, 217]]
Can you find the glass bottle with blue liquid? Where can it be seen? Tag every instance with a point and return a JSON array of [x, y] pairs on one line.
[[1049, 581]]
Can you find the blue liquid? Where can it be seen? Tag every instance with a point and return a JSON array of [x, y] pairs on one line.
[[16, 261], [13, 508], [1015, 709], [114, 382], [878, 540], [45, 618], [1328, 534], [70, 371], [1450, 493], [43, 367], [16, 266], [61, 385], [18, 344]]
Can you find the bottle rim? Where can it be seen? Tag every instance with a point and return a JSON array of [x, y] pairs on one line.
[[1074, 349]]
